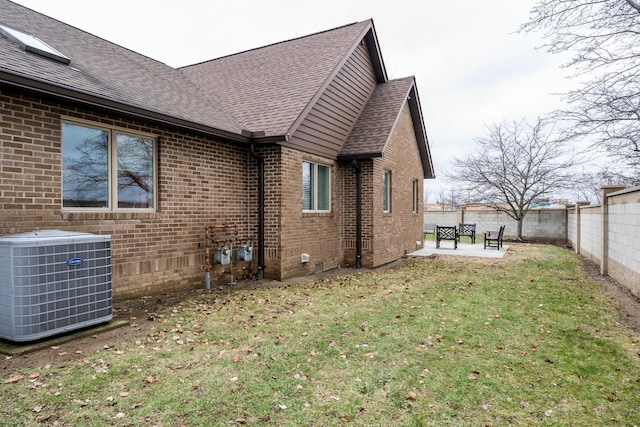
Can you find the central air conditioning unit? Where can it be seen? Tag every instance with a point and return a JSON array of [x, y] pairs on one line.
[[53, 281]]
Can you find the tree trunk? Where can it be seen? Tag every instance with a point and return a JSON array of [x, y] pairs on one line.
[[519, 234]]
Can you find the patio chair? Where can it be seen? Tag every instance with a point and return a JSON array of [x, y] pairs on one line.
[[446, 233], [494, 238], [468, 230]]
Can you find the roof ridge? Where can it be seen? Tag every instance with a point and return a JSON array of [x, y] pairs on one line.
[[273, 44]]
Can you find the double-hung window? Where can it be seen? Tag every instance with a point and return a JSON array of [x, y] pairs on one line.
[[386, 191], [106, 168], [316, 187]]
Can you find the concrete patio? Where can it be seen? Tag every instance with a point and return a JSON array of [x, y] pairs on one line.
[[464, 249]]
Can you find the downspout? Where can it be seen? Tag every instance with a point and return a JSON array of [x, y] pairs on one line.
[[358, 169], [260, 160]]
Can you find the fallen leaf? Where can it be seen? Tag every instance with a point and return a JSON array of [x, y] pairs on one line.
[[411, 396], [150, 379], [34, 375], [13, 379]]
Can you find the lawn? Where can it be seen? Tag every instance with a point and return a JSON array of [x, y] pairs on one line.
[[524, 340]]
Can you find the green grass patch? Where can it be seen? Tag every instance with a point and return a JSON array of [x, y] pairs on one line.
[[524, 340]]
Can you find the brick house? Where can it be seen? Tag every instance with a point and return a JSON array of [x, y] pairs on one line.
[[303, 150]]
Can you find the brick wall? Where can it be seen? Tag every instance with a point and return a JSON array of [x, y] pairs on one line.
[[349, 212], [398, 231], [200, 182], [203, 182], [316, 234]]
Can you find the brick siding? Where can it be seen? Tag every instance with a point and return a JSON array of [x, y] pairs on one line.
[[200, 182], [398, 231]]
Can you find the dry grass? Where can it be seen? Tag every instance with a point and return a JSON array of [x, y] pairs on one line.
[[526, 340]]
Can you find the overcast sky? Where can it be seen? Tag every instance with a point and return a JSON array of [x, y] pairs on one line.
[[471, 67]]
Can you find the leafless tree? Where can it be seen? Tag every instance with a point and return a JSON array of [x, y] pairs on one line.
[[514, 165], [603, 38], [589, 184]]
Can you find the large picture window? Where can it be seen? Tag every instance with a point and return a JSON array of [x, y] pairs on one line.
[[107, 168], [316, 187]]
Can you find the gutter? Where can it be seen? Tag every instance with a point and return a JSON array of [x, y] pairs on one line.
[[261, 179], [358, 169], [43, 88]]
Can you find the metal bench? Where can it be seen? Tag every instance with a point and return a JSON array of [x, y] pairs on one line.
[[493, 238], [446, 233], [468, 230]]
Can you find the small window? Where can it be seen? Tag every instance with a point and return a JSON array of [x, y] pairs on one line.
[[386, 191], [316, 187], [106, 168], [31, 43], [416, 194]]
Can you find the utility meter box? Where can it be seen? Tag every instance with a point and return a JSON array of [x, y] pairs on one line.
[[222, 256], [245, 253]]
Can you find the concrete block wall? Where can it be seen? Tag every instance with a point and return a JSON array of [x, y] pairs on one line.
[[547, 224], [441, 218], [624, 237], [591, 233], [572, 229]]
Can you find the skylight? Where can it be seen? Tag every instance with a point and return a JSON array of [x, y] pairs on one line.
[[30, 43]]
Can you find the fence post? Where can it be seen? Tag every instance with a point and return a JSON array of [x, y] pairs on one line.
[[605, 191]]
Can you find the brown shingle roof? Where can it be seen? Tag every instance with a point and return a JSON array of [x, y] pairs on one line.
[[104, 70], [266, 89], [373, 129]]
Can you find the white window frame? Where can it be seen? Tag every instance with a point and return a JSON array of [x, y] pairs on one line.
[[315, 188], [112, 168], [386, 191], [416, 192]]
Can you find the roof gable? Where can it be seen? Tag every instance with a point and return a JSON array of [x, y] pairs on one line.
[[269, 89], [371, 133], [260, 95]]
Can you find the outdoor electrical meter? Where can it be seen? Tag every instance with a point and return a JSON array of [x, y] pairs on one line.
[[222, 256], [245, 253]]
